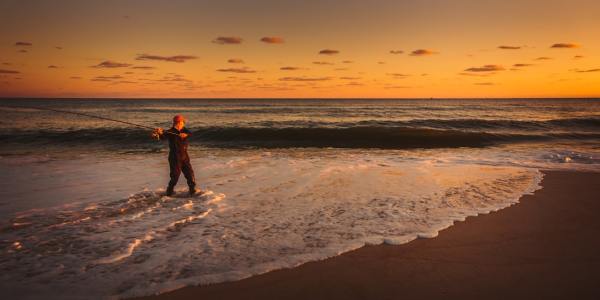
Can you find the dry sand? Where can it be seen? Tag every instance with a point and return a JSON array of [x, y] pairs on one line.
[[546, 247]]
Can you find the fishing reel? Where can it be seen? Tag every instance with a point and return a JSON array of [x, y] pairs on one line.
[[155, 135]]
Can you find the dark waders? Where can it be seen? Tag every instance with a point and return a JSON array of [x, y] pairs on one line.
[[177, 165], [179, 160]]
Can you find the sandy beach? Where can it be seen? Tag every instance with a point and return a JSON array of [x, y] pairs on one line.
[[544, 247]]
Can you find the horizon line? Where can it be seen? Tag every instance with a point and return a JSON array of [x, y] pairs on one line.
[[294, 98]]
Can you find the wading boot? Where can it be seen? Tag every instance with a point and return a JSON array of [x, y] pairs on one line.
[[193, 191], [170, 191]]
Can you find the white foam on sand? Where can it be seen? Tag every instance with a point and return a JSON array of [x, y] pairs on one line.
[[260, 213]]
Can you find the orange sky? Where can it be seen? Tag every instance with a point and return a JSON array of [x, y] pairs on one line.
[[427, 48]]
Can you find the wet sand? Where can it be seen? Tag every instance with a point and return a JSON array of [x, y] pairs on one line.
[[546, 247]]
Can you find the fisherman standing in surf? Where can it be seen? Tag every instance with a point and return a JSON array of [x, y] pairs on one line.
[[179, 160]]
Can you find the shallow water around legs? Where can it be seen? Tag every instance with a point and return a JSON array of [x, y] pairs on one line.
[[260, 211]]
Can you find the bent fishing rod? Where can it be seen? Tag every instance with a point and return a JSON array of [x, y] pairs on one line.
[[88, 115]]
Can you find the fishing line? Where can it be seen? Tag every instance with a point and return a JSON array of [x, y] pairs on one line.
[[88, 115]]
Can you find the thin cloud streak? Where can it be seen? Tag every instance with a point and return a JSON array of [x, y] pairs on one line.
[[422, 52], [509, 47], [329, 52], [564, 45], [237, 70], [587, 71], [111, 64], [305, 78], [2, 71], [485, 68], [398, 75], [227, 40], [175, 58], [272, 40]]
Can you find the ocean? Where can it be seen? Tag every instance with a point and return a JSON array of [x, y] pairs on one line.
[[286, 181]]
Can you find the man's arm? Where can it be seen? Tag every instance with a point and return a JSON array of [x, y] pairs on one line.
[[185, 133]]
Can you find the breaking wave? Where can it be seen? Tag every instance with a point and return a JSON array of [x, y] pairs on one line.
[[429, 133]]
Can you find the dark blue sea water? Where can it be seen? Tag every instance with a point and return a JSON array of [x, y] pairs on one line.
[[83, 210], [290, 123]]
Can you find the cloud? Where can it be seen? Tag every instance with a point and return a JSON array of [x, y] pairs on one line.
[[509, 47], [176, 58], [564, 45], [522, 65], [483, 83], [27, 44], [578, 56], [58, 48], [237, 70], [224, 40], [350, 78], [235, 61], [2, 71], [289, 68], [110, 77], [107, 78], [396, 51], [398, 75], [354, 84], [23, 51], [543, 58], [304, 78], [422, 52], [272, 40], [143, 67], [485, 68], [111, 64], [52, 67], [587, 71], [322, 63], [347, 62], [74, 77], [329, 52]]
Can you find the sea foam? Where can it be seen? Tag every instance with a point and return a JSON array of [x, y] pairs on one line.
[[262, 212]]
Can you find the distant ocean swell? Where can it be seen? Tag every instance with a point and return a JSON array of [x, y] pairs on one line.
[[372, 134]]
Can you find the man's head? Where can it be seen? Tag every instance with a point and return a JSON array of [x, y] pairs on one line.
[[178, 122]]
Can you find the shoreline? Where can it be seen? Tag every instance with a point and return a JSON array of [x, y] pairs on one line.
[[544, 247]]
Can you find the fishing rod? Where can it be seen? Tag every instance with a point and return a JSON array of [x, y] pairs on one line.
[[89, 115]]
